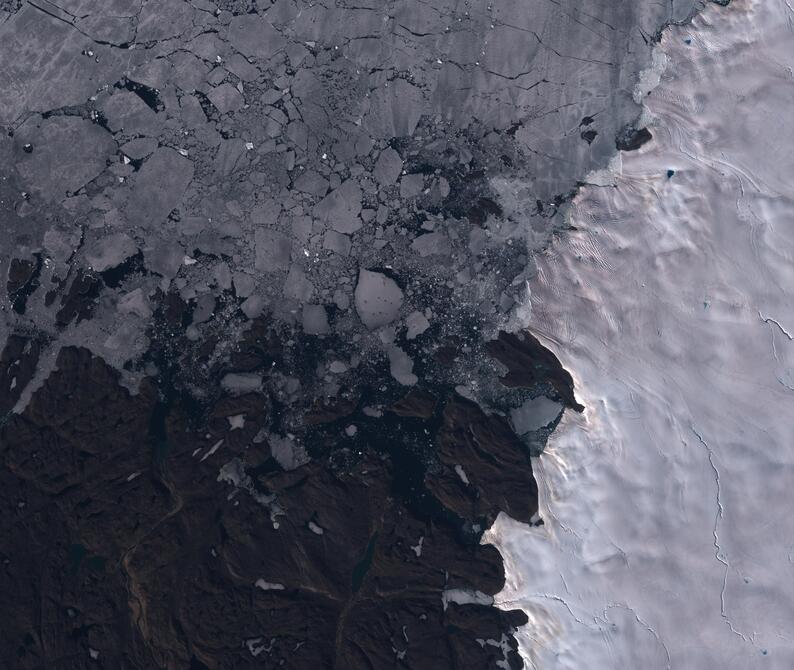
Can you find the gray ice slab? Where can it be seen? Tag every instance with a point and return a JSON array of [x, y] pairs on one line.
[[315, 320], [341, 207], [226, 98], [312, 182], [287, 452], [158, 188], [239, 383], [164, 257], [267, 213], [110, 251], [124, 111], [534, 414], [253, 306], [60, 244], [411, 185], [273, 250], [395, 110], [297, 286], [243, 284], [337, 242], [163, 19], [139, 148], [67, 152], [44, 67], [254, 36], [378, 299], [417, 324], [388, 167], [430, 244], [135, 302]]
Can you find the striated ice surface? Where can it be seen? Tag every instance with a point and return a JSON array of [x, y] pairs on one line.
[[668, 534]]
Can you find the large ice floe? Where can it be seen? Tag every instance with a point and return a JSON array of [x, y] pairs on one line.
[[668, 534]]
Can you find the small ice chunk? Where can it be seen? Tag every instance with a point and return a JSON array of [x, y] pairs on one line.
[[337, 367], [401, 366], [268, 586], [341, 299], [387, 334], [351, 430], [233, 473], [462, 474], [238, 383], [211, 451], [378, 299], [236, 422], [256, 646], [417, 324], [205, 308], [417, 548], [314, 528], [315, 320], [223, 276]]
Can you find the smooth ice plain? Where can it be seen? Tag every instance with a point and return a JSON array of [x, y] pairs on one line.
[[668, 536]]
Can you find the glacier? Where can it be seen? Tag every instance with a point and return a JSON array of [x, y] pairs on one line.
[[667, 538]]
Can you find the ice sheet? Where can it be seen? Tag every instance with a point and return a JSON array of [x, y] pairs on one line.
[[668, 536]]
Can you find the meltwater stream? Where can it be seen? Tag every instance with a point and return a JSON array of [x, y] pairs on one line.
[[668, 507]]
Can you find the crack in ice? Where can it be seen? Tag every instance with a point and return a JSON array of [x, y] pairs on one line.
[[718, 551], [644, 624], [555, 598], [769, 319]]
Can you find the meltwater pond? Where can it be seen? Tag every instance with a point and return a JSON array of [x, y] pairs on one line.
[[668, 535]]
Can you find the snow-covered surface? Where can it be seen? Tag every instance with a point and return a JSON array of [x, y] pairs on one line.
[[668, 536]]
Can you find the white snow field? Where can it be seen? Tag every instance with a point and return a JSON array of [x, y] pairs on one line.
[[668, 507]]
